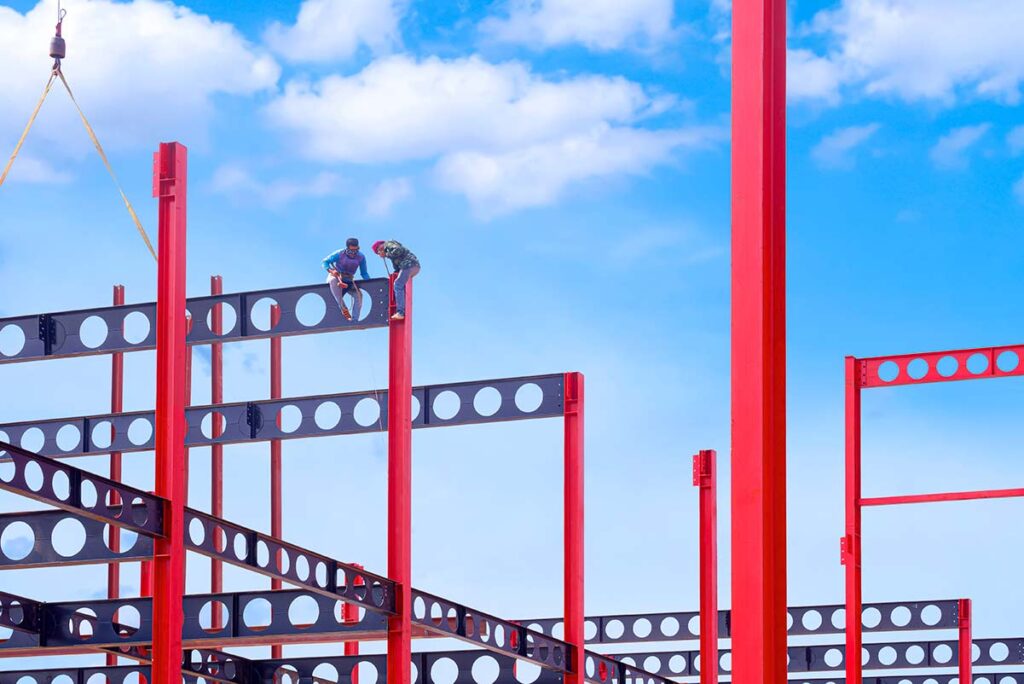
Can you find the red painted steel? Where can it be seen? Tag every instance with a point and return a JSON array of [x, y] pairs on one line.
[[573, 514], [964, 364], [941, 366], [938, 498], [705, 476], [146, 578], [217, 450], [116, 406], [275, 452], [399, 659], [759, 341], [350, 614], [850, 545], [169, 185], [966, 642], [188, 402]]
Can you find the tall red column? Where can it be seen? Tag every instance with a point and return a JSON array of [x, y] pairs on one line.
[[116, 406], [573, 502], [759, 341], [275, 452], [217, 450], [966, 643], [705, 476], [169, 185], [850, 545], [399, 659]]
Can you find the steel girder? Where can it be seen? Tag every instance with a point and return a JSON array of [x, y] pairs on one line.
[[460, 403], [305, 309]]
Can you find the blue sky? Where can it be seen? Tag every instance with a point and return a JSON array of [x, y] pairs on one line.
[[562, 170]]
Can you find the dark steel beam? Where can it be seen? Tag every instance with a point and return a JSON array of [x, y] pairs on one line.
[[460, 403], [892, 616], [305, 309], [247, 619]]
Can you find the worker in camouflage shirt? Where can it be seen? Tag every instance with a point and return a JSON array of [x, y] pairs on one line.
[[406, 265]]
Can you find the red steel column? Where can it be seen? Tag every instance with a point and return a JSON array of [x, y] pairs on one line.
[[217, 450], [966, 645], [759, 341], [349, 615], [573, 501], [399, 661], [705, 476], [851, 542], [169, 185], [275, 451], [116, 406]]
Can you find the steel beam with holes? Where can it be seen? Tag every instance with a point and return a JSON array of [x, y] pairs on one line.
[[67, 333], [249, 619], [40, 620], [898, 370], [823, 658], [892, 616], [257, 420]]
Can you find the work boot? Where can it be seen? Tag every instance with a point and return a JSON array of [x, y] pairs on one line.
[[346, 313]]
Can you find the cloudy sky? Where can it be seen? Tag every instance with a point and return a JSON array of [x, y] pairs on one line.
[[562, 169]]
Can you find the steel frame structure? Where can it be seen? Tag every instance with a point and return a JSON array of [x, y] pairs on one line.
[[172, 527], [893, 371], [757, 625]]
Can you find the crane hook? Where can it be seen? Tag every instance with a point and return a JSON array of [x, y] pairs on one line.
[[58, 48]]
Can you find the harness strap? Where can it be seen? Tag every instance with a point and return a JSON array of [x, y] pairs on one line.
[[28, 127]]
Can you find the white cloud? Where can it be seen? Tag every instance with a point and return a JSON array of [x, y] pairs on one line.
[[1018, 190], [596, 24], [809, 76], [236, 181], [142, 71], [950, 152], [926, 49], [387, 194], [834, 150], [28, 169], [537, 175], [328, 30], [399, 109], [1015, 140], [477, 117]]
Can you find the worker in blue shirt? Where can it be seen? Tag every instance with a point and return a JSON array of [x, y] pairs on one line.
[[341, 269]]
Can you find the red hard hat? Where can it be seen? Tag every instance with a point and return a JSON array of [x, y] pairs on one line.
[[376, 245]]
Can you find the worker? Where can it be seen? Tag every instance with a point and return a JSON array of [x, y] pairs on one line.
[[341, 269], [406, 265]]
